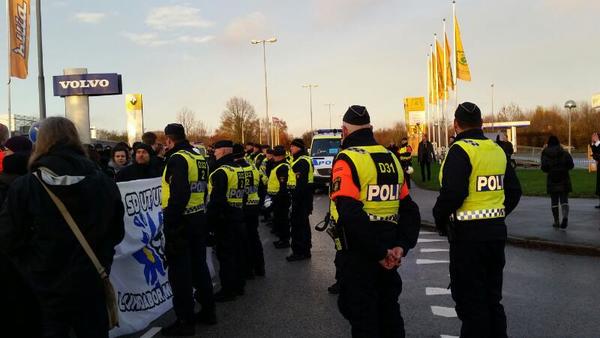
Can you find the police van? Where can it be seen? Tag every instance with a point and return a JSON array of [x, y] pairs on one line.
[[323, 149]]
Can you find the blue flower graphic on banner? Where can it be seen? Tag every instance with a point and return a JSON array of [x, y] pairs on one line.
[[152, 254]]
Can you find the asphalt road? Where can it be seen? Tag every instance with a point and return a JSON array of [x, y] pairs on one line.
[[545, 294]]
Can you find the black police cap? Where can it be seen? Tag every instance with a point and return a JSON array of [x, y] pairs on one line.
[[279, 151], [223, 144], [175, 129], [468, 112]]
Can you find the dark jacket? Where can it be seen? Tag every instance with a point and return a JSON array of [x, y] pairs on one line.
[[455, 188], [596, 157], [507, 147], [137, 171], [373, 239], [426, 152], [34, 234], [14, 165], [219, 212], [303, 194], [556, 162]]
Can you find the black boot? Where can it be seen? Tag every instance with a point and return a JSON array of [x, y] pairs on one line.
[[555, 215], [565, 214], [179, 329], [206, 317]]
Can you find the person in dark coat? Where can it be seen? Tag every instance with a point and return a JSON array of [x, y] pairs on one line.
[[556, 162], [596, 156], [426, 156], [35, 236], [142, 166], [17, 151]]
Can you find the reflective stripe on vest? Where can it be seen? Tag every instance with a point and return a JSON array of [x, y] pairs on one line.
[[235, 184], [311, 169], [405, 150], [273, 183], [486, 182], [381, 178], [251, 185], [197, 175]]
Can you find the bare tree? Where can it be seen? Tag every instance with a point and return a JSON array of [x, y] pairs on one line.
[[239, 120], [187, 118]]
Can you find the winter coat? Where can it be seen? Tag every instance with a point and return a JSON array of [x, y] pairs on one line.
[[426, 152], [596, 157], [34, 234], [556, 162], [136, 171], [14, 166]]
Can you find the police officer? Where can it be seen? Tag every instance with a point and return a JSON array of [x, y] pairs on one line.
[[405, 157], [186, 232], [225, 214], [254, 250], [302, 201], [478, 190], [378, 223], [279, 186]]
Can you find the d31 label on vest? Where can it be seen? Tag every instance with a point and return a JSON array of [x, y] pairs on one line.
[[490, 183], [384, 192]]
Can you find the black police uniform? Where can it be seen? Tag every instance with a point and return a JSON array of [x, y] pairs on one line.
[[281, 206], [230, 234], [185, 242], [302, 205], [255, 264], [476, 246]]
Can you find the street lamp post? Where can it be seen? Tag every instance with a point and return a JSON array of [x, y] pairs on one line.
[[264, 42], [329, 105], [310, 86], [493, 114], [570, 105]]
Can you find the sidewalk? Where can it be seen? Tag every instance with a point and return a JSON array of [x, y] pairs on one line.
[[530, 224]]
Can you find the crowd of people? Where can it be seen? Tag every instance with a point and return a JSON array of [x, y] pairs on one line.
[[217, 198], [213, 199]]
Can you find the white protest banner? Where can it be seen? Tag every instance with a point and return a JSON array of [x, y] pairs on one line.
[[139, 273]]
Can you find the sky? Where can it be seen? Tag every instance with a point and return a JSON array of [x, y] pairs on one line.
[[197, 54]]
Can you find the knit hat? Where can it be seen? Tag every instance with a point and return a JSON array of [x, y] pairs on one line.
[[223, 144], [298, 142], [140, 145], [19, 144], [357, 115], [468, 112], [279, 151]]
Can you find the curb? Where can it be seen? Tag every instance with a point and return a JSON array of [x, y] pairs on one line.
[[541, 244]]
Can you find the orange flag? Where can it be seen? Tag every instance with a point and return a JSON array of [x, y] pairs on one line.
[[462, 66], [440, 70], [19, 11], [449, 78]]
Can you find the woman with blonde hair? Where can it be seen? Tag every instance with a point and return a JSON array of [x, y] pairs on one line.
[[34, 234]]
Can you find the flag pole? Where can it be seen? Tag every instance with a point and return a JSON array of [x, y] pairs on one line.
[[445, 87], [434, 89], [41, 80], [428, 95], [454, 74], [437, 81], [8, 19]]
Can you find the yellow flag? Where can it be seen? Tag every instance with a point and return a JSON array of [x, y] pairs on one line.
[[19, 37], [440, 70], [462, 67], [434, 77], [429, 81], [449, 78]]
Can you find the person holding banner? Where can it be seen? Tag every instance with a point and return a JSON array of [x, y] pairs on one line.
[[186, 233], [226, 217]]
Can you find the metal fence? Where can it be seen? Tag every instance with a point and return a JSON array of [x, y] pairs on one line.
[[534, 155]]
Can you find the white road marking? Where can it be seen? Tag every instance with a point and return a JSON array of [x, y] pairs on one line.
[[434, 250], [447, 336], [431, 261], [427, 240], [436, 291], [443, 311], [318, 198], [427, 233], [151, 333]]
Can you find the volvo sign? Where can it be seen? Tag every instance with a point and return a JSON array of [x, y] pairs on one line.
[[87, 84]]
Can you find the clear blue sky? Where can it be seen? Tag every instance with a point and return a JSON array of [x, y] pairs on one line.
[[372, 52]]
